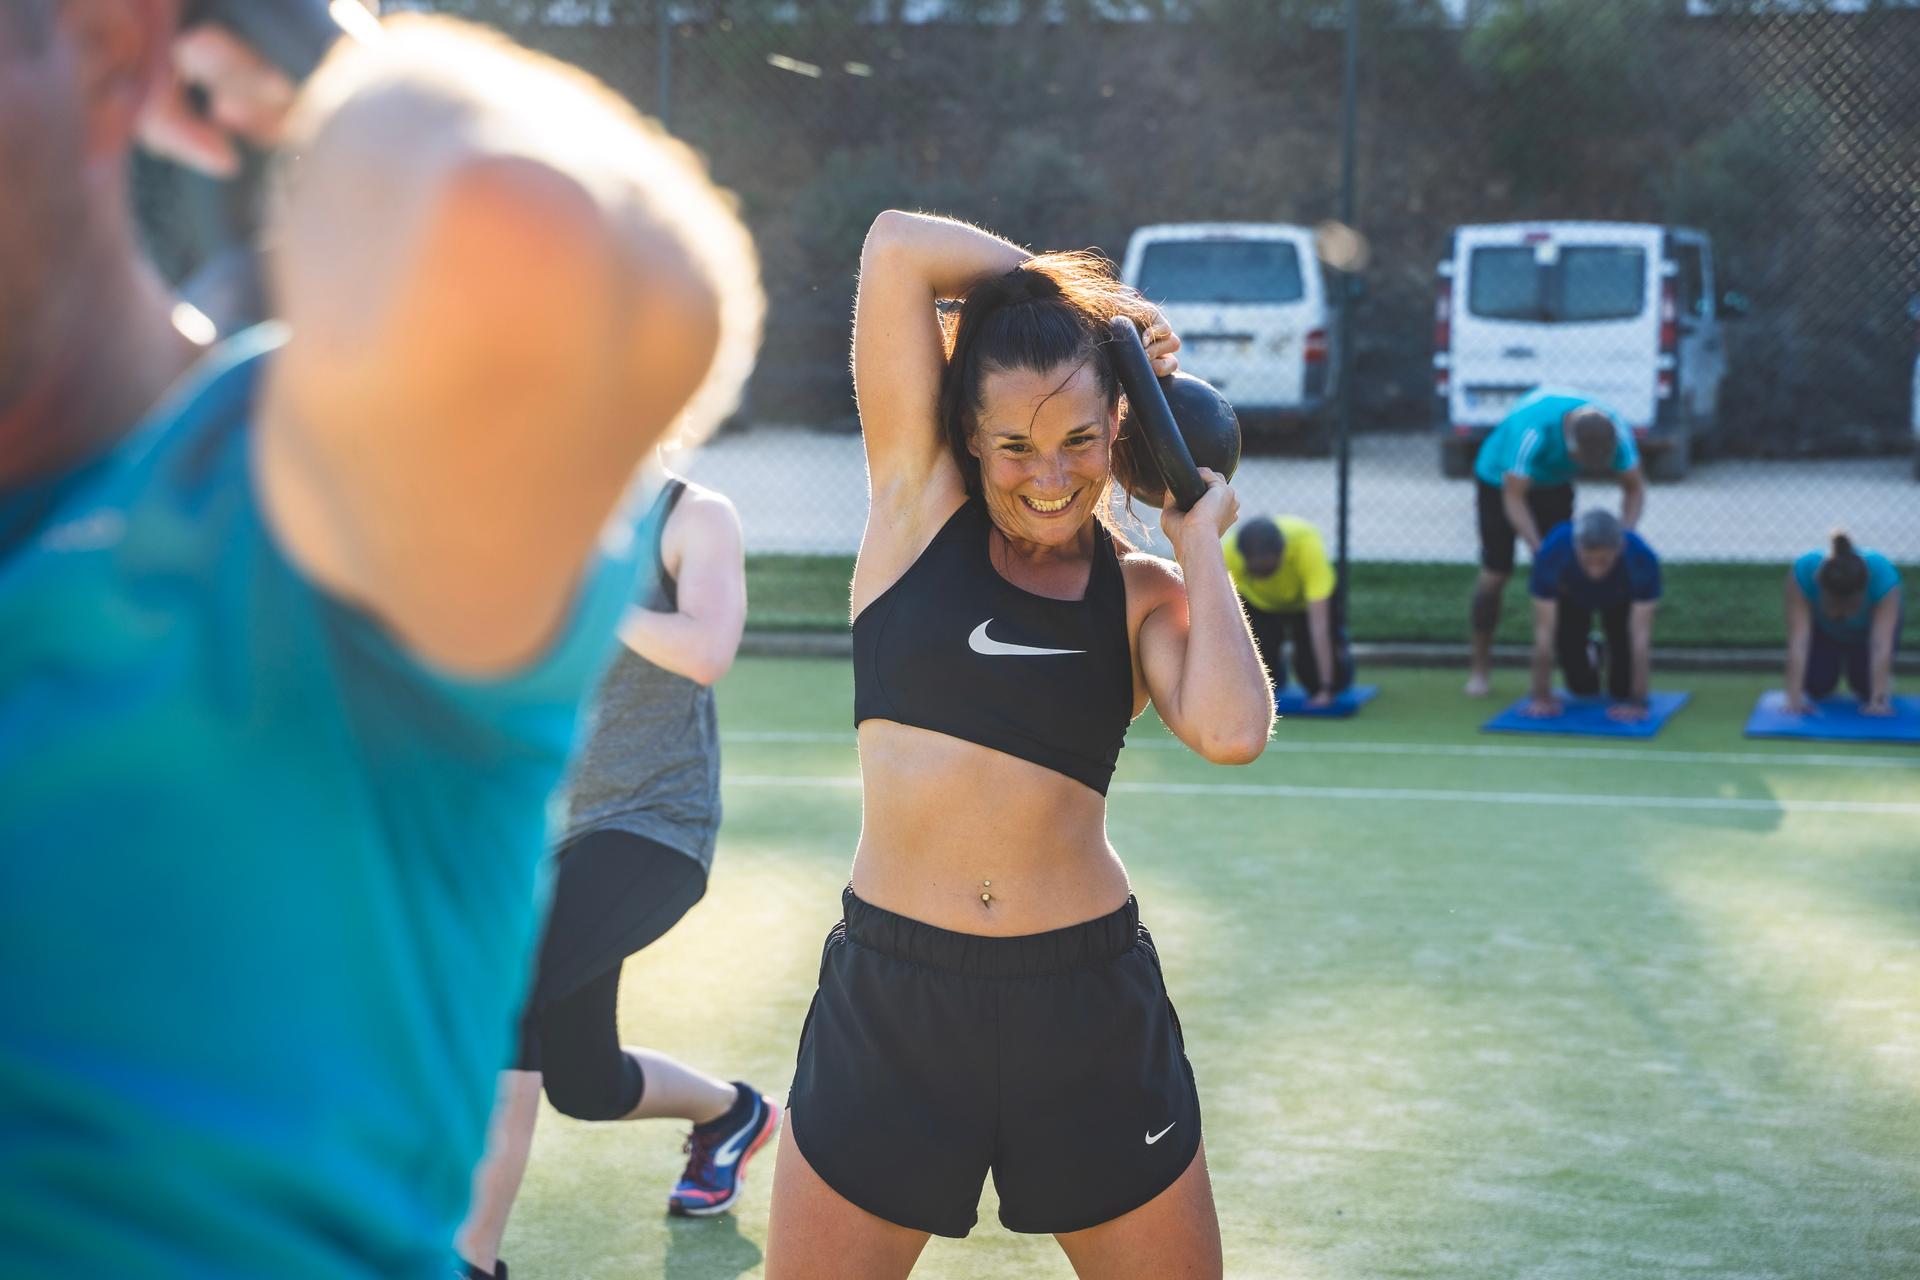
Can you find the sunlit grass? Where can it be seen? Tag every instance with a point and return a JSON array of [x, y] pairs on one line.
[[1432, 1041]]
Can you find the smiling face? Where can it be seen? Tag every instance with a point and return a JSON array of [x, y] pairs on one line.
[[1044, 441]]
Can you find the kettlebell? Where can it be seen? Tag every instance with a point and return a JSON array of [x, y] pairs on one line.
[[1185, 422]]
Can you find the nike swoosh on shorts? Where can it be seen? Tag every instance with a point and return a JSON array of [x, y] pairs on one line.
[[1155, 1137], [981, 642]]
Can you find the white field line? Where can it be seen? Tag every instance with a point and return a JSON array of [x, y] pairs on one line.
[[1643, 755], [1543, 799]]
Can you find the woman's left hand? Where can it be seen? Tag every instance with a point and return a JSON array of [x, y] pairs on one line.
[[1210, 517], [1161, 343]]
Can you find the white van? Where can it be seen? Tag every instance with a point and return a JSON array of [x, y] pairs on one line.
[[1250, 306], [1626, 312]]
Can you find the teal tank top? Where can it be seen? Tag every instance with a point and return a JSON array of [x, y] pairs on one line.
[[1882, 577]]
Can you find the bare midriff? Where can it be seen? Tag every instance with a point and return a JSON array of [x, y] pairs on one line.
[[971, 839]]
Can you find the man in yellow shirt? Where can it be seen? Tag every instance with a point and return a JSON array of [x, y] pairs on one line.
[[1280, 568]]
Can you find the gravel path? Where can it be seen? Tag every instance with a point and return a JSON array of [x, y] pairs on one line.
[[801, 490]]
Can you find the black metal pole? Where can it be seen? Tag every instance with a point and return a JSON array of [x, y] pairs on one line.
[[664, 34], [1344, 322]]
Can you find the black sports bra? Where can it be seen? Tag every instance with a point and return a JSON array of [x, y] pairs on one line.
[[956, 648]]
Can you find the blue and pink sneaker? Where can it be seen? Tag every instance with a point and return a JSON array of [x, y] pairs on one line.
[[717, 1155]]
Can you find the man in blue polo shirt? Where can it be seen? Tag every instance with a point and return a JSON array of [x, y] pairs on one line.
[[1594, 566], [291, 643], [1523, 484]]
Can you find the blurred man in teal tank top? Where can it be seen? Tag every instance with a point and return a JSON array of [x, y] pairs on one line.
[[291, 643]]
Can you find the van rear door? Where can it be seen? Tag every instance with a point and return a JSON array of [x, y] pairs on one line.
[[1567, 304], [1248, 304], [1702, 355]]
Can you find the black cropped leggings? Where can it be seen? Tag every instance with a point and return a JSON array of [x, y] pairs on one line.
[[615, 893]]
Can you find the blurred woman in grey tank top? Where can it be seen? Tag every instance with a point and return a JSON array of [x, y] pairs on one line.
[[642, 811]]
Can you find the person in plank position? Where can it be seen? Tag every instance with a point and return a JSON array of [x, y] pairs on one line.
[[1594, 568], [1280, 568], [1844, 610]]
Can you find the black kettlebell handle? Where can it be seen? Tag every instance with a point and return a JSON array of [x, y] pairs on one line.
[[1149, 404], [294, 35]]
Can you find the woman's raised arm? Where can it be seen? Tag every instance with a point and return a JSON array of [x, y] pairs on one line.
[[911, 261]]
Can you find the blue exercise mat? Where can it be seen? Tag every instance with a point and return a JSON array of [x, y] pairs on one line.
[[1840, 720], [1588, 716], [1292, 701]]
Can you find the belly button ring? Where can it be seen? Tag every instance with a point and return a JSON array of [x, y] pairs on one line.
[[986, 897]]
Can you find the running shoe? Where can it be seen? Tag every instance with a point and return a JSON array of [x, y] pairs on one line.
[[717, 1159]]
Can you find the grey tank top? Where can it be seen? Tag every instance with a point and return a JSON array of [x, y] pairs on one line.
[[651, 765]]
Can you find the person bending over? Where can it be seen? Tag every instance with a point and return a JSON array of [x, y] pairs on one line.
[[291, 665], [642, 816], [990, 1000], [1844, 612], [1280, 568], [1591, 567], [1523, 486]]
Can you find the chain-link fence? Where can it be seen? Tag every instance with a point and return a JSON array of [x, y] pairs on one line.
[[1704, 215]]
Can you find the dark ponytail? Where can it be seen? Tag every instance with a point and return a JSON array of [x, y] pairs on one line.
[[1050, 312], [1843, 574]]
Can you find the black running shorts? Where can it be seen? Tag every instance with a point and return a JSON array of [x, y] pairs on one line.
[[1549, 504], [1054, 1060]]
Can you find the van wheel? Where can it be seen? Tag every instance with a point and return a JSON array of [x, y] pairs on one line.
[[1916, 459], [1671, 463], [1456, 460]]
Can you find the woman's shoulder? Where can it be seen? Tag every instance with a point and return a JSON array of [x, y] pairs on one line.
[[702, 517], [1151, 580], [703, 509]]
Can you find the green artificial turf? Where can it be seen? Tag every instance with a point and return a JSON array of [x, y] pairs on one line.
[[1514, 1035], [1732, 606]]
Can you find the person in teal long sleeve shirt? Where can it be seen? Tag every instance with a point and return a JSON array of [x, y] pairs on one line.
[[292, 643]]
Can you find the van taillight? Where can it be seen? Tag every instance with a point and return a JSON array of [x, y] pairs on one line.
[[1316, 347], [1442, 334], [1669, 316]]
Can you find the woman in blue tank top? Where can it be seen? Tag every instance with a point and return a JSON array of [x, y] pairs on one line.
[[990, 1001], [1844, 612]]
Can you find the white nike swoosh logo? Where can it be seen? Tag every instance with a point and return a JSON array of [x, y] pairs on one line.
[[981, 642], [1155, 1137]]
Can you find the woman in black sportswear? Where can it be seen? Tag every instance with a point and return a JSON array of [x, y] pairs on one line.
[[990, 1002]]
